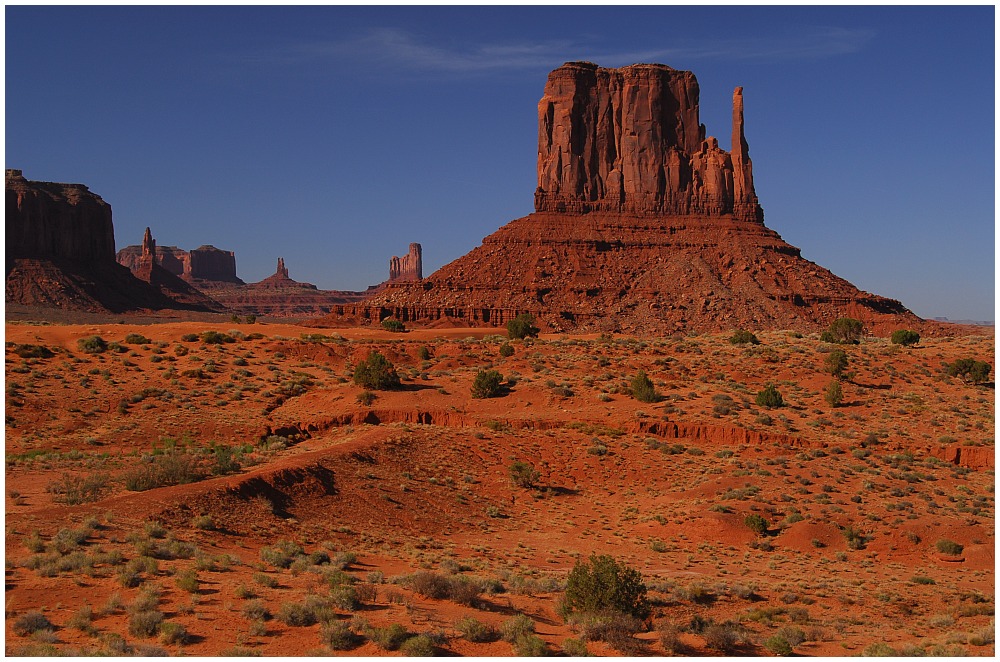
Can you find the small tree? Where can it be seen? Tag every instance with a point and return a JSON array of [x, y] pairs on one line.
[[834, 393], [642, 388], [743, 337], [522, 326], [506, 349], [601, 585], [969, 370], [487, 384], [845, 331], [376, 372], [770, 397], [393, 325], [836, 362], [523, 474], [905, 337]]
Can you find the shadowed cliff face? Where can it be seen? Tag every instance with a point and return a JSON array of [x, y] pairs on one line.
[[630, 140]]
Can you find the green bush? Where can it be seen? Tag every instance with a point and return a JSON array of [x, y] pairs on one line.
[[388, 638], [522, 326], [366, 398], [530, 645], [136, 339], [904, 337], [92, 345], [575, 648], [31, 622], [778, 645], [506, 349], [835, 362], [523, 474], [423, 353], [602, 585], [187, 580], [756, 523], [33, 351], [338, 636], [377, 373], [216, 338], [418, 646], [475, 630], [969, 370], [296, 614], [393, 325], [173, 633], [834, 394], [743, 337], [256, 610], [487, 384], [949, 547], [844, 331], [769, 397], [642, 388], [517, 627], [145, 623]]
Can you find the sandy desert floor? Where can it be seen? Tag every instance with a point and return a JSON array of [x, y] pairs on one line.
[[236, 493]]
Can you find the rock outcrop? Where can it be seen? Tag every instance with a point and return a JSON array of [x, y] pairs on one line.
[[147, 268], [642, 225], [60, 253], [629, 140], [408, 267], [206, 263]]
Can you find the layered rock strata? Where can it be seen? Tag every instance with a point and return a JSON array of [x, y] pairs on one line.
[[408, 267], [642, 225], [206, 263], [60, 252]]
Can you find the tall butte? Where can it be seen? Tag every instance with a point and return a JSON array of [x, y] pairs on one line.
[[642, 224]]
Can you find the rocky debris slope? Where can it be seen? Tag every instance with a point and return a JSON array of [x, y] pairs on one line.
[[60, 253], [642, 225]]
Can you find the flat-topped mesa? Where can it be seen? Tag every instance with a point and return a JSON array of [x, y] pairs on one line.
[[408, 267], [629, 140], [56, 221]]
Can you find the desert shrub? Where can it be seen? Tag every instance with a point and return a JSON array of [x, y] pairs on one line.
[[92, 345], [345, 597], [523, 474], [296, 614], [216, 338], [724, 637], [834, 393], [187, 580], [74, 489], [388, 638], [33, 351], [487, 384], [522, 326], [769, 397], [338, 636], [366, 398], [602, 585], [256, 610], [173, 633], [174, 467], [465, 591], [879, 649], [575, 648], [530, 645], [756, 523], [393, 325], [203, 522], [855, 539], [145, 623], [969, 370], [845, 331], [189, 337], [30, 623], [670, 638], [642, 389], [835, 362], [418, 646], [281, 554], [778, 645], [950, 547], [744, 337], [904, 337], [376, 372], [517, 627], [506, 349], [475, 630], [136, 339], [423, 353]]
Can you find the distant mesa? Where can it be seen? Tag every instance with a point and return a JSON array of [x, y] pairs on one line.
[[206, 263], [642, 224], [60, 253]]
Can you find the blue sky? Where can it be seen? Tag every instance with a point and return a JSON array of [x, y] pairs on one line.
[[335, 136]]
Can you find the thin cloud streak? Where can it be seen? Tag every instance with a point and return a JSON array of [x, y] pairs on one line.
[[392, 46]]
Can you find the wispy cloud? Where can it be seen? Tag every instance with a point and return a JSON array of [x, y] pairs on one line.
[[402, 49]]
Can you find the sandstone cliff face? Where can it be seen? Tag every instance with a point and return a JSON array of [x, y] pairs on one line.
[[630, 140], [62, 221], [61, 253], [408, 267], [201, 264], [643, 225]]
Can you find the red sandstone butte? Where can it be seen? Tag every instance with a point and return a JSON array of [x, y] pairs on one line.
[[408, 267], [642, 224]]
